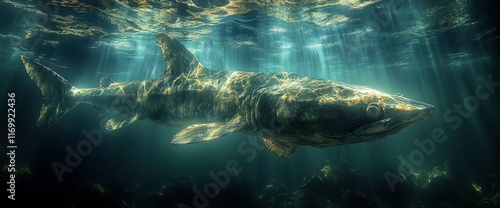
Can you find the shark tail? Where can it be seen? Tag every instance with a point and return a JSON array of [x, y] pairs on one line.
[[55, 91]]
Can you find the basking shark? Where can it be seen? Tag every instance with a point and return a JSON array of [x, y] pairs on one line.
[[285, 109]]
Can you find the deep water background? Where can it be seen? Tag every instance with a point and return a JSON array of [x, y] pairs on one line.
[[432, 51]]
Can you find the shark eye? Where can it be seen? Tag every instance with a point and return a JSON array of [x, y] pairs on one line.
[[373, 110]]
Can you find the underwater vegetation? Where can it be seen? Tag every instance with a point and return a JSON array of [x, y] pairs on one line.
[[336, 183]]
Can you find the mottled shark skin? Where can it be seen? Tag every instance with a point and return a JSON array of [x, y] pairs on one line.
[[286, 109]]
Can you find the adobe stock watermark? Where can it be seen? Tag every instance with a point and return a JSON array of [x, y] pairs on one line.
[[453, 116], [74, 156], [221, 179]]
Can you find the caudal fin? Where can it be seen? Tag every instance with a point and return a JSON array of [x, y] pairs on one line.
[[55, 90]]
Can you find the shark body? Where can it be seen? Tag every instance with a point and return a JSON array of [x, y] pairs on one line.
[[286, 109]]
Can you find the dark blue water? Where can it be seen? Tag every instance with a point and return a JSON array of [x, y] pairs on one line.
[[439, 52]]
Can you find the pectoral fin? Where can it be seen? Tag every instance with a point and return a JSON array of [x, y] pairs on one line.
[[207, 132], [121, 120], [282, 149]]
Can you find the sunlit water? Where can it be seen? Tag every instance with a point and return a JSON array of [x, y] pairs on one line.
[[438, 52]]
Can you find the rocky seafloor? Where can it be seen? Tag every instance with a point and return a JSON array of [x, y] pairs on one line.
[[337, 183]]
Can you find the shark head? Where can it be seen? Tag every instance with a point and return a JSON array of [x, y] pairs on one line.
[[335, 113], [385, 115]]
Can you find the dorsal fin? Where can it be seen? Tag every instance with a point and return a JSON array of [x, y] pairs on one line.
[[178, 59], [105, 81]]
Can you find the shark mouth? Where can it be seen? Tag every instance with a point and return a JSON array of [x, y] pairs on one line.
[[389, 126], [383, 126], [373, 128]]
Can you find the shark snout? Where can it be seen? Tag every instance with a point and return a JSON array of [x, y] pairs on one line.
[[426, 111], [414, 110]]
